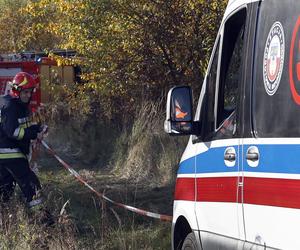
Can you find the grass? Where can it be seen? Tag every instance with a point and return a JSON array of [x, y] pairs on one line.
[[85, 223], [99, 225], [21, 228], [144, 152]]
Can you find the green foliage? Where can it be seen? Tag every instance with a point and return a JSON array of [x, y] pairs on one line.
[[11, 25], [23, 28]]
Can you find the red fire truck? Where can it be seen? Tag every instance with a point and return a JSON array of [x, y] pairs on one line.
[[43, 68]]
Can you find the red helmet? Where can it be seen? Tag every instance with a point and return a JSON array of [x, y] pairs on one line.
[[21, 81]]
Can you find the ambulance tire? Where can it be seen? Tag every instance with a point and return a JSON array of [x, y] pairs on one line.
[[190, 242]]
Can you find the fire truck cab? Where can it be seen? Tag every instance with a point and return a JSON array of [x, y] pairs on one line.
[[238, 182]]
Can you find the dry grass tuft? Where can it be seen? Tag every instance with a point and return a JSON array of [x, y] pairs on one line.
[[148, 153], [21, 228]]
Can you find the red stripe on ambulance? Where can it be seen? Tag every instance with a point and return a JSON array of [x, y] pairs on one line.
[[257, 191], [220, 189], [272, 192]]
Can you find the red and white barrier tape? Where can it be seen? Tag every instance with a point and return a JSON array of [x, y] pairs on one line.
[[100, 195]]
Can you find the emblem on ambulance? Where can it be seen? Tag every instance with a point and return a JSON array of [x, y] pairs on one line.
[[273, 58]]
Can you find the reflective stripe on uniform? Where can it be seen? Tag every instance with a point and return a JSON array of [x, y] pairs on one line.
[[10, 153], [22, 120], [12, 156], [9, 150], [16, 132], [19, 133], [23, 125], [25, 122]]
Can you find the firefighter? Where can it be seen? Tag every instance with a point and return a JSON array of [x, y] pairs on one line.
[[16, 132]]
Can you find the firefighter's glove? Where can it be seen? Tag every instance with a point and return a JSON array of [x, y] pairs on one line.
[[43, 132], [32, 131]]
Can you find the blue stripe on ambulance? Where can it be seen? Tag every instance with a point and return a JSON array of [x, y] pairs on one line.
[[287, 160]]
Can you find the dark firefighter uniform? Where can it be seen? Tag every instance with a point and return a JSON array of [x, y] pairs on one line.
[[16, 132]]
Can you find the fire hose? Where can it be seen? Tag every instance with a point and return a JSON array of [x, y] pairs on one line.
[[161, 217]]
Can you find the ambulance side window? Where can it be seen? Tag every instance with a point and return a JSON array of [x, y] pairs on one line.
[[224, 79], [230, 75], [207, 112]]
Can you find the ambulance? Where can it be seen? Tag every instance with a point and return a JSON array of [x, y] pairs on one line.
[[238, 182]]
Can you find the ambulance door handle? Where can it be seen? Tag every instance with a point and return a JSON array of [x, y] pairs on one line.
[[229, 157], [252, 154], [230, 154]]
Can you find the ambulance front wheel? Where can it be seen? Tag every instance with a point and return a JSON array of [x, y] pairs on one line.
[[190, 242]]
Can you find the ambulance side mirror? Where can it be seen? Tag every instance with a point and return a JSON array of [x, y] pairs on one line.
[[179, 111]]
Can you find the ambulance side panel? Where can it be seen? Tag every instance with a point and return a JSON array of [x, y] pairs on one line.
[[271, 156]]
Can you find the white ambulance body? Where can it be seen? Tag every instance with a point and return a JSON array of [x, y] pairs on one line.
[[238, 183]]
